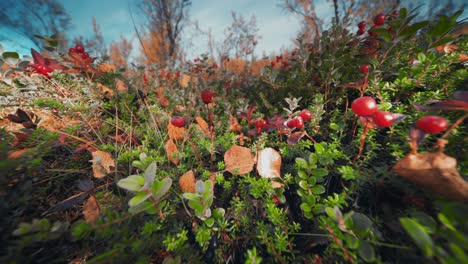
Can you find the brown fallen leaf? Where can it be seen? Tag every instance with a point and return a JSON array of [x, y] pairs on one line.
[[120, 86], [104, 89], [175, 133], [203, 125], [91, 210], [185, 80], [436, 172], [187, 182], [172, 151], [103, 163], [106, 67], [234, 124], [239, 160], [17, 153]]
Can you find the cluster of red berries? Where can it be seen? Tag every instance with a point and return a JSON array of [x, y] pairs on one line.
[[79, 49], [298, 121], [206, 96], [379, 20], [367, 107]]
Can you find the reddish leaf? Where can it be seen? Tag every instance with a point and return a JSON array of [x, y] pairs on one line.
[[444, 105], [295, 137]]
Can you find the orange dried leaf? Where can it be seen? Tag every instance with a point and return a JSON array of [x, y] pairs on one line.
[[172, 151], [187, 182], [269, 163], [234, 125], [106, 67], [239, 160], [121, 86], [203, 125], [103, 163], [104, 89], [175, 133], [91, 210], [17, 153], [185, 80], [436, 172]]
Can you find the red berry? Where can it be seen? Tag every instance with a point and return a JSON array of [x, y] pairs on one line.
[[196, 60], [207, 96], [364, 68], [362, 25], [292, 123], [299, 123], [178, 121], [275, 199], [432, 124], [364, 106], [395, 12], [361, 32], [85, 55], [305, 114], [72, 50], [260, 123], [383, 118], [79, 48], [379, 19]]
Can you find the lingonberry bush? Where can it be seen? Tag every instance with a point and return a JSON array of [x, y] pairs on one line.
[[351, 149]]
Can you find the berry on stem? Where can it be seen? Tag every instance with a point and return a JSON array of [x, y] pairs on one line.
[[178, 121], [364, 68], [362, 25], [432, 124], [379, 19], [79, 48], [364, 106], [383, 118], [361, 32], [305, 114], [207, 96]]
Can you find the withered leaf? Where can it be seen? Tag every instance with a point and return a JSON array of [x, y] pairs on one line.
[[121, 86], [239, 160], [295, 137], [172, 151], [103, 163], [203, 125], [175, 133], [269, 163], [187, 182], [234, 124], [436, 172], [91, 210], [105, 89]]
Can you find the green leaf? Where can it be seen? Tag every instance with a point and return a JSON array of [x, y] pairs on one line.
[[191, 196], [403, 12], [305, 207], [11, 58], [320, 172], [366, 251], [132, 183], [301, 163], [418, 234], [411, 30], [219, 213], [445, 221], [361, 222], [196, 206], [138, 199], [318, 189], [302, 174], [319, 149], [310, 199], [382, 32], [209, 222], [303, 184], [442, 27], [163, 187], [312, 181], [441, 42], [150, 173], [330, 212]]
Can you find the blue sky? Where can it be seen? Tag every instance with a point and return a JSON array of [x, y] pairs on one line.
[[277, 28]]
